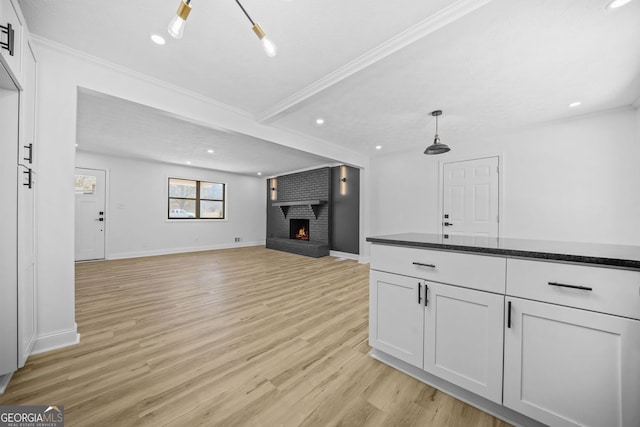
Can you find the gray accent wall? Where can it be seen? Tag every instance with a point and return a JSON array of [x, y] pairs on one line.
[[345, 209]]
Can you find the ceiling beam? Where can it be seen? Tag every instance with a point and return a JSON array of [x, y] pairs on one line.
[[423, 28]]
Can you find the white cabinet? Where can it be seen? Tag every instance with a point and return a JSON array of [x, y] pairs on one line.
[[572, 348], [9, 108], [10, 20], [17, 173], [463, 338], [450, 331], [396, 316], [571, 367], [527, 339]]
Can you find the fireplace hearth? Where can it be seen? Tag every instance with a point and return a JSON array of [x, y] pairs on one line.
[[299, 229]]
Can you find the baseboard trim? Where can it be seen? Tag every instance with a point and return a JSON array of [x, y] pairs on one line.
[[364, 259], [346, 255], [169, 251], [4, 382], [515, 418], [56, 340]]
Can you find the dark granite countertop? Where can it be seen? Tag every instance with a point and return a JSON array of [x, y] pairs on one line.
[[619, 256]]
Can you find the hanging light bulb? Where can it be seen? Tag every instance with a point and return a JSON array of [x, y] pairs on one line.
[[269, 47], [176, 26]]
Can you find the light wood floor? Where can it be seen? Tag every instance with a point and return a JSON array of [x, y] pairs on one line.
[[233, 337]]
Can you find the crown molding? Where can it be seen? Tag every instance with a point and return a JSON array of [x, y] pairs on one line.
[[427, 26], [44, 42]]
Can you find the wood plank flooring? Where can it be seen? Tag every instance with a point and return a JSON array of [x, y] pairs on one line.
[[238, 337]]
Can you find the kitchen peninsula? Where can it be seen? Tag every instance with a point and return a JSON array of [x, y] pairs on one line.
[[530, 331]]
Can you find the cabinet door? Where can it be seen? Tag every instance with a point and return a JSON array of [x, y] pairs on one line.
[[571, 367], [464, 337], [10, 15], [9, 107], [396, 316]]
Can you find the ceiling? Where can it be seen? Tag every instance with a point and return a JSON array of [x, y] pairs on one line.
[[374, 70]]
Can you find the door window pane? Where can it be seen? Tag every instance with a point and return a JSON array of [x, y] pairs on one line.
[[85, 184]]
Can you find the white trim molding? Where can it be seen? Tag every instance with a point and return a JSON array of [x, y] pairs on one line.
[[56, 340], [169, 251], [344, 255]]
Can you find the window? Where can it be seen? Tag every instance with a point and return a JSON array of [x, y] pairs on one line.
[[191, 199]]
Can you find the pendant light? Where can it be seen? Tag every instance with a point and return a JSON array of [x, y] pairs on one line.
[[437, 147], [176, 27]]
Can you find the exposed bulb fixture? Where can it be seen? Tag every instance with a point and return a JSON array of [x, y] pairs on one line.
[[176, 25], [437, 147], [269, 47]]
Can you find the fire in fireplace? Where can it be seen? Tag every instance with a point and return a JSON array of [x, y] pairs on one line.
[[299, 229]]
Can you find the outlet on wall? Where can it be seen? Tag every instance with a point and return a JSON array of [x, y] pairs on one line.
[[236, 239]]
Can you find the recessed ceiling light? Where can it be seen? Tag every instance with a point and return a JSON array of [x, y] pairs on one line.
[[575, 104], [617, 3], [320, 121], [210, 151], [259, 173], [158, 39], [76, 145], [378, 147], [187, 162]]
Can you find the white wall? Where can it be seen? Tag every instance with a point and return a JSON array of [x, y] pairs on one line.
[[573, 180], [136, 210]]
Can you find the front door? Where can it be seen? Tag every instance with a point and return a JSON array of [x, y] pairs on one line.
[[90, 214], [470, 198]]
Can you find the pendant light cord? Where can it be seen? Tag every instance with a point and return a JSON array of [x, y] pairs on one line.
[[245, 12]]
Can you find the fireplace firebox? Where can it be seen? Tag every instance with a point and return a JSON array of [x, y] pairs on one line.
[[299, 229]]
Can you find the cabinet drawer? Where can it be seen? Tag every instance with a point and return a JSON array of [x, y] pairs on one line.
[[604, 290], [472, 271]]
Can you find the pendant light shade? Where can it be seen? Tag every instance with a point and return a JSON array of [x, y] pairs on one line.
[[437, 147]]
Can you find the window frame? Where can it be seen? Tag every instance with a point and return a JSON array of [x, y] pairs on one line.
[[197, 199]]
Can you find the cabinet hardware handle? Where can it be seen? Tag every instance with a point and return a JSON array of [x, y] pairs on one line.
[[423, 264], [8, 30], [419, 292], [29, 182], [509, 314], [30, 148], [426, 295], [562, 285]]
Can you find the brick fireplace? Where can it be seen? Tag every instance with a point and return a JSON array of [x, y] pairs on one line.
[[300, 199]]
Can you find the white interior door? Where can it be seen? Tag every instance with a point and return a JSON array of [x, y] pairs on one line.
[[90, 214], [471, 198]]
